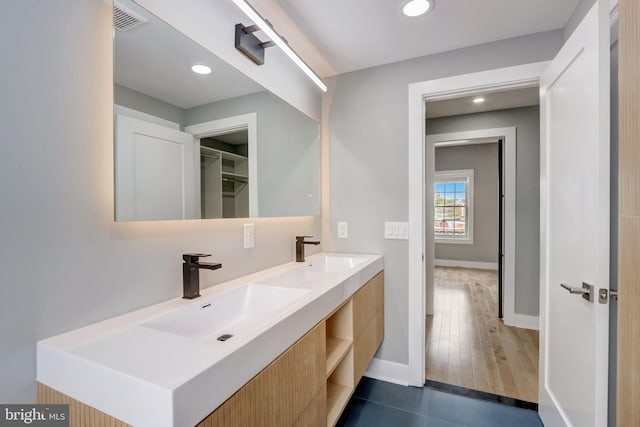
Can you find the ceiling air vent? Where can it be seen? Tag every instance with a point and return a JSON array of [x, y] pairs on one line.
[[124, 19]]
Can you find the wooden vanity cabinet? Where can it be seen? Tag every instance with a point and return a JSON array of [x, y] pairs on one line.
[[308, 385], [358, 329]]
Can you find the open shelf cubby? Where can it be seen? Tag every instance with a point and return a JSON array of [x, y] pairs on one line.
[[340, 378], [340, 386], [339, 327], [336, 351]]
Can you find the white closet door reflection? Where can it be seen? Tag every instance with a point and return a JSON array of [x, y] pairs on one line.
[[155, 172]]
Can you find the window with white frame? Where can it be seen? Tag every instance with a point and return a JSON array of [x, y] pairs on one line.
[[453, 206]]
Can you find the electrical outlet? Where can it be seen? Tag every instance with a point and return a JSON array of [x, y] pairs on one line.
[[249, 237], [343, 230]]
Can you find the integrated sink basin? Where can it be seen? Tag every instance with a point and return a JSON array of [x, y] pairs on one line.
[[226, 314], [331, 263]]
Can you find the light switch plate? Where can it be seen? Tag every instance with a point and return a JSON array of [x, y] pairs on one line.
[[249, 237], [396, 230], [343, 230]]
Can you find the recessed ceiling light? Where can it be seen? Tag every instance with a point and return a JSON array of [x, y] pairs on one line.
[[201, 69], [417, 7], [478, 100]]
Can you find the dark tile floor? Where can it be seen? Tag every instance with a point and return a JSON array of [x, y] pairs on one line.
[[378, 403]]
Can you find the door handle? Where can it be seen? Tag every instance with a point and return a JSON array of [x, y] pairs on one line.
[[572, 290], [586, 291]]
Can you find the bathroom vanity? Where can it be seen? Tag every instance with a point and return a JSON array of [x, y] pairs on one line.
[[281, 347]]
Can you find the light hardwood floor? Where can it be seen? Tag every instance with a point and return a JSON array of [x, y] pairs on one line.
[[468, 346]]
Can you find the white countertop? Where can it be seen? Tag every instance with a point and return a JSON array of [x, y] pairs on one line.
[[149, 377]]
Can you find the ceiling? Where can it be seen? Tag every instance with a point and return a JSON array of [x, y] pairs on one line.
[[357, 34], [155, 59], [493, 101]]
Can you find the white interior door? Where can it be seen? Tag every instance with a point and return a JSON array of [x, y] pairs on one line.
[[575, 227], [157, 172]]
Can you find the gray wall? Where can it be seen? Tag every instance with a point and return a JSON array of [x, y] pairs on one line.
[[288, 152], [483, 159], [147, 104], [367, 121], [527, 257], [65, 263]]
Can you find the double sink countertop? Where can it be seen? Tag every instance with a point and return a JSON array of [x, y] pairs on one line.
[[171, 364]]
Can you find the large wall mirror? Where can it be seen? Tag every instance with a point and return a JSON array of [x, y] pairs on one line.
[[201, 146]]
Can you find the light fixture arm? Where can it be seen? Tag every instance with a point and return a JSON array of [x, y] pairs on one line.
[[251, 29]]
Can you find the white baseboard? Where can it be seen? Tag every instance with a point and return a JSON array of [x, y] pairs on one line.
[[523, 321], [466, 264], [390, 372]]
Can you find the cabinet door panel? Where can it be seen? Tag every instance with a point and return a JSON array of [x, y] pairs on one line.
[[279, 394], [366, 345], [366, 303], [315, 414]]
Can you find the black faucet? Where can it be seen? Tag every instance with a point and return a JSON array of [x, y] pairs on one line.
[[300, 242], [191, 275]]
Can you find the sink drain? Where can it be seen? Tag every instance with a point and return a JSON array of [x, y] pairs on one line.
[[224, 337]]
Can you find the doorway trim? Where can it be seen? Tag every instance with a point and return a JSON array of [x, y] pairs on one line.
[[230, 124], [421, 246], [508, 134]]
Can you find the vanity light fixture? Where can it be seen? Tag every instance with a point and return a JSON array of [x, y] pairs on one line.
[[414, 8], [201, 69], [266, 28], [478, 100]]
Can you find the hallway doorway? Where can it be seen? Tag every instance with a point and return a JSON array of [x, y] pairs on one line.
[[478, 170]]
